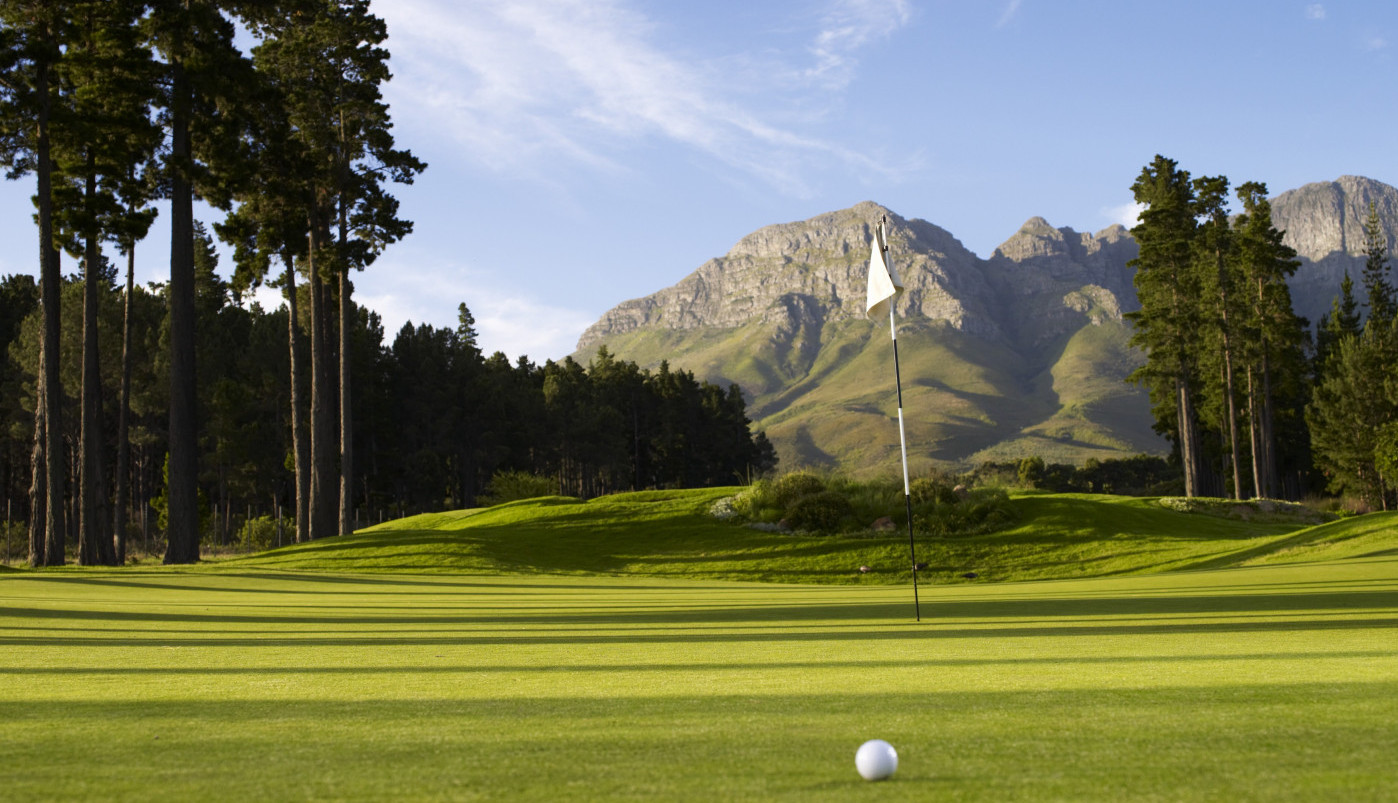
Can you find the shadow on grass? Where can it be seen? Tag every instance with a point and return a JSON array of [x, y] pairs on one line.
[[658, 621], [620, 668]]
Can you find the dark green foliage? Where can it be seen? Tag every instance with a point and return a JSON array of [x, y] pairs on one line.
[[1168, 327], [1353, 405], [512, 486], [984, 510], [806, 502], [1377, 287], [790, 487], [822, 511], [1031, 472], [935, 490]]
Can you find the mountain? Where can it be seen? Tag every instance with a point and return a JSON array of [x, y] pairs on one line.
[[1324, 222], [1022, 353]]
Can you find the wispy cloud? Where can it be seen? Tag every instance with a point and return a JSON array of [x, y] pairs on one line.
[[1011, 9], [1315, 11], [1128, 214], [521, 84], [847, 27], [506, 319], [1373, 42]]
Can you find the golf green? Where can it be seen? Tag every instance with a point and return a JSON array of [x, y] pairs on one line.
[[1275, 682]]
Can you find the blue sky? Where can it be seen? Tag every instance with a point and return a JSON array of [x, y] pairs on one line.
[[584, 152]]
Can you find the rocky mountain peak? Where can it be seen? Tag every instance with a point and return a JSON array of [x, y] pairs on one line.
[[1327, 217]]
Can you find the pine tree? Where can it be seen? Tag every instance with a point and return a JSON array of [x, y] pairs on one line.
[[32, 33], [1377, 287], [108, 75], [206, 109], [1213, 251], [1275, 335], [328, 61], [1167, 326]]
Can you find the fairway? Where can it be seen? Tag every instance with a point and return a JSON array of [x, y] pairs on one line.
[[1275, 682]]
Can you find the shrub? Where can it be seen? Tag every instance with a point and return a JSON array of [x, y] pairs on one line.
[[261, 532], [926, 489], [511, 486], [791, 487], [984, 510], [755, 503], [823, 511]]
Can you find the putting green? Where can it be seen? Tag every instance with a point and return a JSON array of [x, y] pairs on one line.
[[1275, 682]]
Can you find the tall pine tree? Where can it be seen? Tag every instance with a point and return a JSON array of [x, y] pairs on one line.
[[1167, 327]]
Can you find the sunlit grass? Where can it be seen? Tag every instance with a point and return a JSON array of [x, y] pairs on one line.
[[671, 534], [222, 683]]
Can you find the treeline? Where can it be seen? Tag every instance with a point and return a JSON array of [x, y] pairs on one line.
[[1255, 403], [434, 418], [109, 106]]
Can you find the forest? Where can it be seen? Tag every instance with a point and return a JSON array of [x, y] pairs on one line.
[[1255, 402], [170, 416]]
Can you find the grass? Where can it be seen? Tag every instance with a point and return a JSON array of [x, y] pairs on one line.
[[1265, 683], [670, 534], [567, 651]]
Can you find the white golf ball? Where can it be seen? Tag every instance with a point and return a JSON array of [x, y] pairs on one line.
[[876, 760]]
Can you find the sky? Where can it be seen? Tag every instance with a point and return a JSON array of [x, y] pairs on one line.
[[586, 152]]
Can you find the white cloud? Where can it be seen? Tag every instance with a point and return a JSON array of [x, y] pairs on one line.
[[506, 320], [1011, 9], [1127, 214], [522, 85], [1374, 42], [848, 26], [1315, 11]]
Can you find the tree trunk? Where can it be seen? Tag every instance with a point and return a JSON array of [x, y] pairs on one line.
[[1269, 462], [1228, 388], [50, 391], [322, 441], [123, 469], [1189, 437], [182, 545], [300, 438], [94, 542], [346, 419], [38, 497]]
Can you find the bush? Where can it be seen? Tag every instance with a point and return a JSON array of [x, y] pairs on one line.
[[511, 486], [823, 511], [791, 487], [984, 510], [924, 490], [261, 532]]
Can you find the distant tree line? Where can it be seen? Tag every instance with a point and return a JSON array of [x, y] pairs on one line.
[[435, 419], [1255, 403], [170, 394]]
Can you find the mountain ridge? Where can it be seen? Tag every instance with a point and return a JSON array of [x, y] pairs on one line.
[[1022, 352]]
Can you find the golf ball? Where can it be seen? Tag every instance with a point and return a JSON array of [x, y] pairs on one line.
[[876, 760]]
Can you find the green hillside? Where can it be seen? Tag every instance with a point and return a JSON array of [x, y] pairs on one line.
[[827, 398], [671, 534]]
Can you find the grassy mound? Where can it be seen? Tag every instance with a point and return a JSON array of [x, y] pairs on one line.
[[672, 534]]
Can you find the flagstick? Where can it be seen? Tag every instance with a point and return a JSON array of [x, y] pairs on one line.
[[903, 445]]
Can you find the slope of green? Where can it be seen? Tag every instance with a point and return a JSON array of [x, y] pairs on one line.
[[825, 394], [670, 534], [221, 683]]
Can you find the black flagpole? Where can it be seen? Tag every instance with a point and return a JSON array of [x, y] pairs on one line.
[[902, 437]]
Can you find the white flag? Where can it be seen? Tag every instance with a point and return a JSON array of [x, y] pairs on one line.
[[884, 284]]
